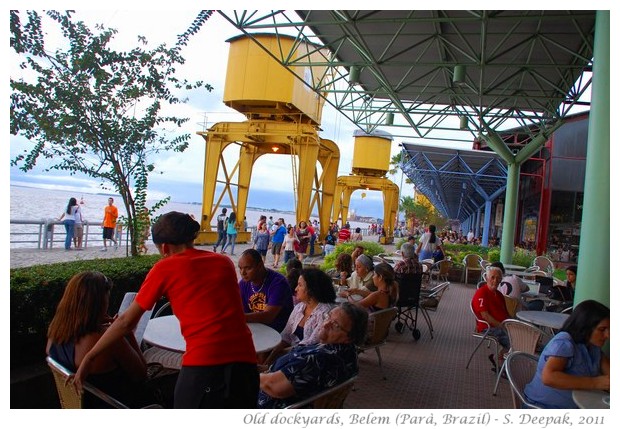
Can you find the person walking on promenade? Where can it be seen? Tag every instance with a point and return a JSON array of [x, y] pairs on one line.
[[276, 241], [221, 229], [231, 233], [110, 214], [69, 221]]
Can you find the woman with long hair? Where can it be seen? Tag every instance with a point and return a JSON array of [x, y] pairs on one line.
[[81, 319], [386, 294], [231, 233], [315, 294], [429, 242], [69, 221], [573, 359], [219, 365]]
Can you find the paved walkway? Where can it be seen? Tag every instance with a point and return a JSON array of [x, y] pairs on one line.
[[29, 257]]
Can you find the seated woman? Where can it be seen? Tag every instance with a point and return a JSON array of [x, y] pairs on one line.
[[343, 264], [410, 263], [81, 319], [359, 250], [386, 294], [360, 282], [293, 270], [573, 359], [564, 293], [316, 296]]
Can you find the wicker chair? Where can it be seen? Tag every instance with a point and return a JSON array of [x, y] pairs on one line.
[[70, 398], [482, 336], [520, 369], [545, 264], [379, 323], [331, 398], [471, 263], [523, 338]]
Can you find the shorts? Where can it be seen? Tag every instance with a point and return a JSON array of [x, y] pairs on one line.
[[263, 252], [108, 233], [275, 248], [78, 230]]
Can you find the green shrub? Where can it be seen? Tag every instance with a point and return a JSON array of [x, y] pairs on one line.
[[493, 255], [523, 257], [370, 248], [35, 292]]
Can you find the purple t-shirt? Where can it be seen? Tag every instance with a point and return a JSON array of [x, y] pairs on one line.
[[274, 291]]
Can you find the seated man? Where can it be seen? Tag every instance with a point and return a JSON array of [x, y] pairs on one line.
[[265, 293], [488, 304], [307, 370]]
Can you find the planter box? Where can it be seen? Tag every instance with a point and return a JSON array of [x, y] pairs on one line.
[[456, 274]]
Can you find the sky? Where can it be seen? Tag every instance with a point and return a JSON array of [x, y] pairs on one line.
[[206, 59]]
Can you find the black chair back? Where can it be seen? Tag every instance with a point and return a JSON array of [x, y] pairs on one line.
[[409, 286]]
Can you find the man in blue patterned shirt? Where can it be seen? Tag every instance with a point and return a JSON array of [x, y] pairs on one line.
[[308, 370]]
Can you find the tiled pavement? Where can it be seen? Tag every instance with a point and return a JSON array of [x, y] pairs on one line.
[[430, 373]]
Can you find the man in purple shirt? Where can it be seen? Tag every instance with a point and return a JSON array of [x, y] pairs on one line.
[[265, 293]]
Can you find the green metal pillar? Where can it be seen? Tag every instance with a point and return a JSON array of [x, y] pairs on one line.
[[510, 213], [594, 266]]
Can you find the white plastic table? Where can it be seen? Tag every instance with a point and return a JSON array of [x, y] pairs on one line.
[[591, 399], [548, 319], [514, 267], [165, 332]]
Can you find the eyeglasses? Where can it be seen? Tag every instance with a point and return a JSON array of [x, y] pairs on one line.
[[333, 323]]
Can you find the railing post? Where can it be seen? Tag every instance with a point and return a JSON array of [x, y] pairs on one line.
[[48, 234]]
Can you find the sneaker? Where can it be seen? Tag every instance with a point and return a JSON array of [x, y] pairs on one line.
[[105, 249]]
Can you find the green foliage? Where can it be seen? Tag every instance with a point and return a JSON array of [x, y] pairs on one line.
[[35, 292], [493, 255], [89, 109], [523, 257], [370, 248]]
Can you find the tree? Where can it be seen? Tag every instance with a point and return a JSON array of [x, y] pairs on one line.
[[92, 110]]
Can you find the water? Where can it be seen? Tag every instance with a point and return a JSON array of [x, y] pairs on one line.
[[36, 204]]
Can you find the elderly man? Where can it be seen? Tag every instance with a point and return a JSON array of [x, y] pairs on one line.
[[265, 293], [360, 282], [308, 370], [488, 304]]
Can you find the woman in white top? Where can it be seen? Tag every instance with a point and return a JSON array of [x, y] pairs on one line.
[[289, 243], [429, 242], [69, 221], [316, 296]]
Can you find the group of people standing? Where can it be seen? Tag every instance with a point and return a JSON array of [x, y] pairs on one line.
[[73, 220]]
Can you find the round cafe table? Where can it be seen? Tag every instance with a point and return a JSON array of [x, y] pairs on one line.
[[165, 332], [591, 399], [548, 319]]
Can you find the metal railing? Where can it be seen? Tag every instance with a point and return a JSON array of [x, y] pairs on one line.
[[46, 233]]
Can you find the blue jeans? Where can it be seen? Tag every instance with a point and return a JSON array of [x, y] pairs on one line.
[[69, 227], [231, 240], [221, 238], [312, 240]]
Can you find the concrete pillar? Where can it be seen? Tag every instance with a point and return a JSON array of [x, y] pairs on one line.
[[593, 276]]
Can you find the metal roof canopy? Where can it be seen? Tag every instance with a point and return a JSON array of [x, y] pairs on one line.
[[399, 68], [457, 182]]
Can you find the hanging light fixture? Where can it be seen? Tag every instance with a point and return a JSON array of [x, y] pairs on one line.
[[389, 119], [463, 123], [354, 75], [459, 75]]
